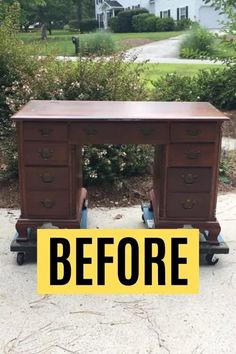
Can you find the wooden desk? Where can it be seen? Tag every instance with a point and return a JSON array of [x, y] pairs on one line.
[[187, 137]]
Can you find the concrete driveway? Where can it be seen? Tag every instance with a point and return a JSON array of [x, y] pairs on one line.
[[203, 323], [164, 51]]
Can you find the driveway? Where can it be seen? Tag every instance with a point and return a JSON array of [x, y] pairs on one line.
[[57, 324], [165, 51]]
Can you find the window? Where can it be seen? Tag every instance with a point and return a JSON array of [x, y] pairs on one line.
[[183, 12], [166, 13]]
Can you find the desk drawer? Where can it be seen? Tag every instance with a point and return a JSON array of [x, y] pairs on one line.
[[188, 205], [192, 154], [145, 133], [119, 133], [189, 179], [95, 133], [48, 204], [37, 153], [193, 132], [45, 131], [46, 178]]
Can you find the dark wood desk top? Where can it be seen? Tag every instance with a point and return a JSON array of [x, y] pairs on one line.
[[118, 111]]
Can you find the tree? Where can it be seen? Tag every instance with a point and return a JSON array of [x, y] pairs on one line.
[[53, 11], [84, 9]]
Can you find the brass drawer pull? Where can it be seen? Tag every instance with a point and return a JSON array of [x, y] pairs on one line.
[[46, 131], [47, 203], [147, 131], [188, 204], [189, 178], [90, 131], [193, 131], [46, 153], [193, 155], [47, 178]]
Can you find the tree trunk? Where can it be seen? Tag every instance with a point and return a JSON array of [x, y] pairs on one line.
[[26, 27], [50, 28], [44, 31], [79, 11]]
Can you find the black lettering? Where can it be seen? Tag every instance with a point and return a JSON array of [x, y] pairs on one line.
[[81, 260], [55, 259], [102, 259], [176, 260], [134, 261], [158, 260]]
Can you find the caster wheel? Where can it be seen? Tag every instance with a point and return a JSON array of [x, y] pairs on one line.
[[211, 259], [20, 258]]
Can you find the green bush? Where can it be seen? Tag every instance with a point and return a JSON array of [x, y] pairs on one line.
[[151, 23], [88, 25], [165, 24], [199, 40], [139, 22], [183, 24], [112, 162], [113, 23], [190, 53], [100, 43], [217, 86], [124, 24], [144, 23], [73, 25]]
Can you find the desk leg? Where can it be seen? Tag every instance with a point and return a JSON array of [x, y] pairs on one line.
[[214, 232], [22, 231]]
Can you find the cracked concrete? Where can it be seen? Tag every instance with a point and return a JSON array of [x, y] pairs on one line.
[[203, 323]]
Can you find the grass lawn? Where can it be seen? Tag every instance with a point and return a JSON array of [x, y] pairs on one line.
[[59, 43], [154, 71]]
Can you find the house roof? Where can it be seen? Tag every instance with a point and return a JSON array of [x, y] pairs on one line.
[[113, 3]]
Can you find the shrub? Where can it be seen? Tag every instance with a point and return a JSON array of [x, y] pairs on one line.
[[113, 162], [88, 25], [190, 53], [183, 24], [165, 24], [73, 25], [99, 43], [125, 20], [151, 23], [199, 40], [144, 23], [139, 23], [217, 86], [113, 23], [173, 87]]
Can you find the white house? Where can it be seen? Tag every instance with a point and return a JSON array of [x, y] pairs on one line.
[[195, 10]]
